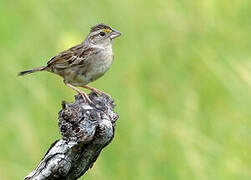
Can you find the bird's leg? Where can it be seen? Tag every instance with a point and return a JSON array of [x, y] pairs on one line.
[[95, 90], [83, 94]]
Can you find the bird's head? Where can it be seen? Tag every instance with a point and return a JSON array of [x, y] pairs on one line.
[[102, 35]]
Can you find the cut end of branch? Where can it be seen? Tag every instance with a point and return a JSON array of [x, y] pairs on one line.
[[78, 121]]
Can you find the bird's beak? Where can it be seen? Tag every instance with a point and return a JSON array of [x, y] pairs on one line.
[[115, 34]]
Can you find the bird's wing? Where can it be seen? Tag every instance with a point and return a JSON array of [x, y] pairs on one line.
[[76, 55]]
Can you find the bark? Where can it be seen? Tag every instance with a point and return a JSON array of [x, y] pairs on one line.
[[86, 129]]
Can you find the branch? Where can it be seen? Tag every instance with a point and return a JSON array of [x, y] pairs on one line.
[[86, 129]]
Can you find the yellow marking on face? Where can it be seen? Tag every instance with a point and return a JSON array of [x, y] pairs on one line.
[[107, 30]]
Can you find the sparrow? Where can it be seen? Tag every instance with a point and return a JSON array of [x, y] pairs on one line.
[[85, 62]]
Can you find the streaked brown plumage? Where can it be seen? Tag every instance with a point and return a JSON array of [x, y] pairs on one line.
[[85, 62]]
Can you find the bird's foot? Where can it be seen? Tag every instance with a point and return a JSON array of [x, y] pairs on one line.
[[96, 91], [83, 94], [86, 98]]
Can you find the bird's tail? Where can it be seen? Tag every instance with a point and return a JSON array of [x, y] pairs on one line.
[[29, 71]]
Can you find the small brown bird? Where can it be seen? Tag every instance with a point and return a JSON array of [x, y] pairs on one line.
[[85, 62]]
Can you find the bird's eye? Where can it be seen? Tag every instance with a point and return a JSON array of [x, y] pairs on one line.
[[102, 33]]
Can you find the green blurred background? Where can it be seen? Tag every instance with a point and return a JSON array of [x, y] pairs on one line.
[[181, 80]]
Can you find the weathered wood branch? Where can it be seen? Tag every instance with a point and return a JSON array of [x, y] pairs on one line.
[[86, 129]]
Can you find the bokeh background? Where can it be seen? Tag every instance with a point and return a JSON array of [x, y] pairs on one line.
[[181, 80]]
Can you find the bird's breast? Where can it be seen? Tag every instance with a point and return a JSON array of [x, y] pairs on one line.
[[100, 63]]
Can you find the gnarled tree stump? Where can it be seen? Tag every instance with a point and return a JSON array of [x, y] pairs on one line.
[[86, 129]]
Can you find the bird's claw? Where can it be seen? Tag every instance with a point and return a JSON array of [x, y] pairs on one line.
[[101, 93], [86, 98]]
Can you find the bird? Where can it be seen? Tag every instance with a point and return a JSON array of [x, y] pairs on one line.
[[84, 62]]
